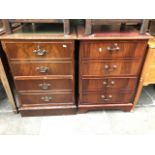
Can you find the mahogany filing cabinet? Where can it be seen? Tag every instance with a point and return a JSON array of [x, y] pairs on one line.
[[110, 66], [43, 72]]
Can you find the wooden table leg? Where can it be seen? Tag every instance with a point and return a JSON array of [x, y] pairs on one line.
[[7, 88]]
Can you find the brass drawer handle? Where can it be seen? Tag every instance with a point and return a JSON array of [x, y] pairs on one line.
[[108, 83], [108, 98], [113, 48], [42, 69], [44, 85], [110, 68], [46, 98], [39, 51]]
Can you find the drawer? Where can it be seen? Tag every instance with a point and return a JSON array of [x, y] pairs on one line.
[[111, 68], [99, 97], [40, 50], [46, 98], [38, 68], [45, 84], [112, 49], [109, 83]]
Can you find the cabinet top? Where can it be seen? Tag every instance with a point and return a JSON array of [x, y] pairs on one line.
[[38, 37], [113, 34]]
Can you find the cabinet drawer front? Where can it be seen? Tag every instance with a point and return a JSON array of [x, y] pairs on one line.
[[46, 98], [41, 85], [99, 98], [111, 68], [39, 50], [109, 83], [41, 68], [112, 49]]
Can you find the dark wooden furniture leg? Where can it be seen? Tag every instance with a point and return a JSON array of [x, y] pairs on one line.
[[88, 26], [144, 26], [66, 26], [7, 26]]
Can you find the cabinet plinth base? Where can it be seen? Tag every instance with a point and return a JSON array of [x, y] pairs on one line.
[[47, 111], [123, 107]]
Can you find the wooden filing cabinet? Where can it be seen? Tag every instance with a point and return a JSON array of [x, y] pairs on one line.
[[109, 72], [43, 72]]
